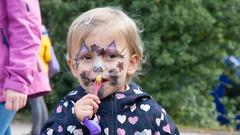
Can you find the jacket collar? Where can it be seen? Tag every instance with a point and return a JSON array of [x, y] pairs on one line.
[[128, 97]]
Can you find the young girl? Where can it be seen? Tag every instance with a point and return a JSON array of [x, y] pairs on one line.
[[105, 42]]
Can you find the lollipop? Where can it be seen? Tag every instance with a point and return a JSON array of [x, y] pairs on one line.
[[97, 84], [93, 126]]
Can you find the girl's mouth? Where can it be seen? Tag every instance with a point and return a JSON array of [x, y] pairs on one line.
[[103, 80]]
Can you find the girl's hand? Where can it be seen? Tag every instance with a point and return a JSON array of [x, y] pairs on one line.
[[87, 106]]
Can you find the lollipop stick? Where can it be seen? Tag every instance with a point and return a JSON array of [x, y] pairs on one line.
[[93, 126], [97, 84]]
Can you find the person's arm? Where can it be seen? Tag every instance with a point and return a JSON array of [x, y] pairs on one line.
[[24, 40]]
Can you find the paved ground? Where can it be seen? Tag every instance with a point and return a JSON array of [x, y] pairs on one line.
[[19, 128]]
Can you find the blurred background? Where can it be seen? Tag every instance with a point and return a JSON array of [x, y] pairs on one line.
[[187, 44]]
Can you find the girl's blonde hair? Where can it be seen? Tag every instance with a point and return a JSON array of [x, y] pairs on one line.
[[115, 20]]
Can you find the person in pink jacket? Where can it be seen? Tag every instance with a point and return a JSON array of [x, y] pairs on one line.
[[21, 70]]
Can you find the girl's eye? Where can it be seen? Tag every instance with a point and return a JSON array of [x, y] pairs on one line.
[[86, 57], [111, 56]]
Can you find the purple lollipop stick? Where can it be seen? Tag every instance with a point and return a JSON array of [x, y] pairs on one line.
[[92, 125]]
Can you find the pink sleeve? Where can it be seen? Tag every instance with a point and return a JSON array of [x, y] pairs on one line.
[[24, 40]]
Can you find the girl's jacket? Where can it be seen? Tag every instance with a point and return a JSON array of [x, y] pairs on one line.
[[131, 112], [20, 24]]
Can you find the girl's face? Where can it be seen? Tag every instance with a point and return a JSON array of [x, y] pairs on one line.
[[103, 54]]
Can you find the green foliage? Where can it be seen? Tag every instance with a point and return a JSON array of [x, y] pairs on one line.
[[185, 40], [232, 100]]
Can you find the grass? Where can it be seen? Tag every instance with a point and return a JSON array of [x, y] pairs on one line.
[[219, 129]]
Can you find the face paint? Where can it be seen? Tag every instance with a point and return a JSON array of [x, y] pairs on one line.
[[84, 76], [112, 51], [95, 48], [101, 52], [100, 93], [120, 66], [112, 46], [97, 69], [122, 56], [97, 60], [83, 52], [76, 62], [113, 77]]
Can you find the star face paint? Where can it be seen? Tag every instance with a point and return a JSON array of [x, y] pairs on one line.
[[120, 66]]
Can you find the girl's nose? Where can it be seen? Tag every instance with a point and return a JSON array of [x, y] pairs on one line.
[[98, 68]]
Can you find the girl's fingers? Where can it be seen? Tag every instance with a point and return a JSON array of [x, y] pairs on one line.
[[87, 114], [87, 108], [91, 103], [93, 97]]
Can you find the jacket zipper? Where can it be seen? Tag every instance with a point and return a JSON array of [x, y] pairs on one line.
[[114, 114], [4, 39]]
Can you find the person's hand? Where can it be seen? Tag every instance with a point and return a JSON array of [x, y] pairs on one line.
[[14, 100], [87, 106]]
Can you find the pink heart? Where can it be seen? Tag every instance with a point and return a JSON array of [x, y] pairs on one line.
[[166, 128], [120, 131], [119, 96], [59, 109], [133, 120], [60, 128]]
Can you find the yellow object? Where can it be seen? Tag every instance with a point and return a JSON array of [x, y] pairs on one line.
[[98, 79], [45, 51]]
